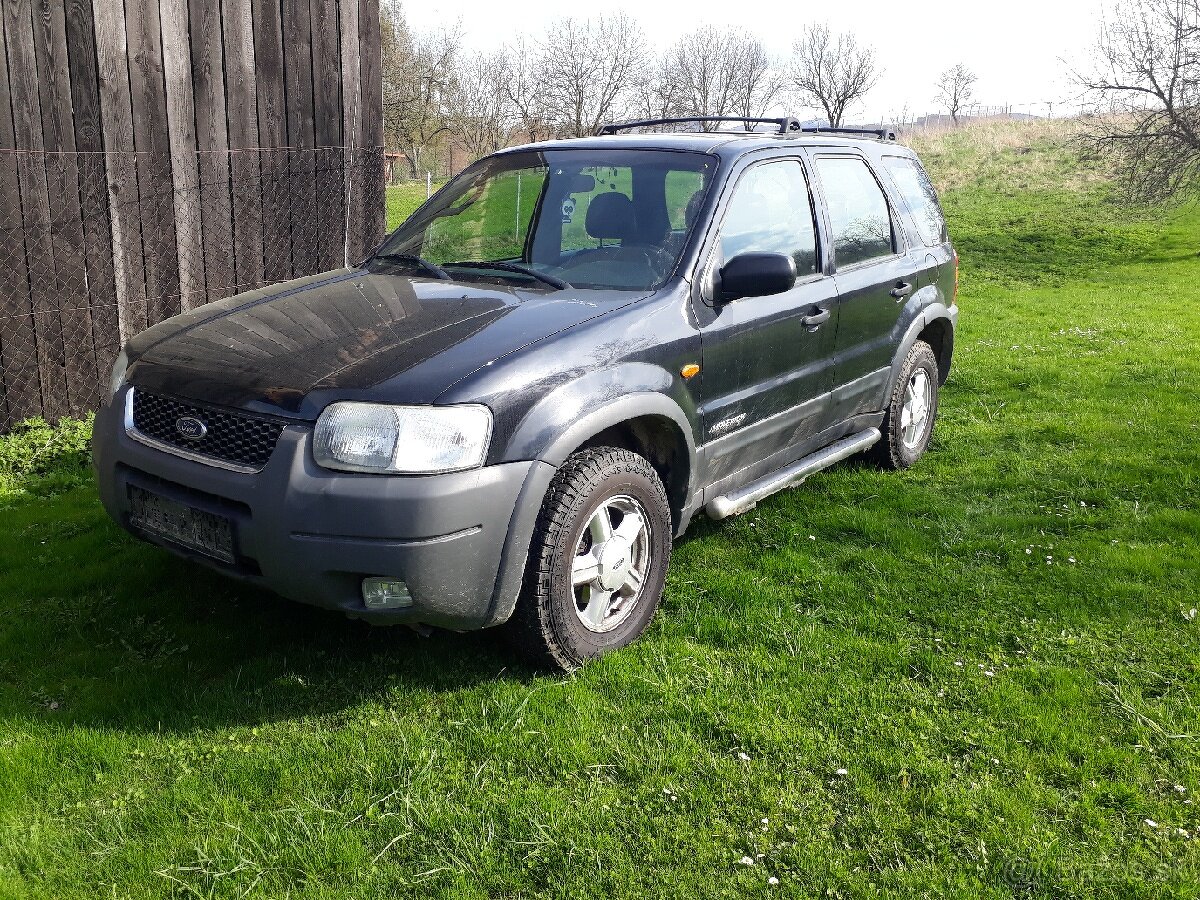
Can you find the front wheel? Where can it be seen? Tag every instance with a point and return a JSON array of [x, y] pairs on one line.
[[908, 421], [598, 560]]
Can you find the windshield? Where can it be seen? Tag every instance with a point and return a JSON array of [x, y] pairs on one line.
[[608, 219]]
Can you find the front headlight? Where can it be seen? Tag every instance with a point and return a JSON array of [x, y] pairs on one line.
[[116, 381], [412, 440]]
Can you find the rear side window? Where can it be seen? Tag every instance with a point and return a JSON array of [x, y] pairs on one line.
[[921, 198], [858, 211], [771, 213]]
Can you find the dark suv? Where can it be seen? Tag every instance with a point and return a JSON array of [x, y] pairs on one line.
[[509, 410]]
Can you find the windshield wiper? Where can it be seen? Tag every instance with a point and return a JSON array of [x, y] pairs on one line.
[[556, 283], [432, 268]]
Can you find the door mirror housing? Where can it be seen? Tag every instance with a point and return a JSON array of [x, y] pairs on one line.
[[757, 275]]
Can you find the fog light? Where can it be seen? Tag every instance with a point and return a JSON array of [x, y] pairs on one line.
[[385, 593]]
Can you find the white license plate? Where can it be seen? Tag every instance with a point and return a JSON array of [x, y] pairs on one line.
[[195, 529]]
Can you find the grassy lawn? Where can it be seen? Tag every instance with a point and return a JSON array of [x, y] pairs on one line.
[[977, 678], [403, 198]]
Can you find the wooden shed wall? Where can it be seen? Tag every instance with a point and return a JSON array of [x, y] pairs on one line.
[[160, 154]]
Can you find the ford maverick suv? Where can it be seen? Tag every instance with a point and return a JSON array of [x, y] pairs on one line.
[[508, 411]]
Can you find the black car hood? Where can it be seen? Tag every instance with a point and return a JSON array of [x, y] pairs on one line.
[[292, 348]]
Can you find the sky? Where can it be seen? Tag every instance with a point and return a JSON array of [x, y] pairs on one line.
[[1016, 48]]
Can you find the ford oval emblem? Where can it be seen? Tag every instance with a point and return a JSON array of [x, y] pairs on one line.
[[191, 428]]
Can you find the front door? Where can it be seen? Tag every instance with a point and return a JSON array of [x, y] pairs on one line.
[[767, 360]]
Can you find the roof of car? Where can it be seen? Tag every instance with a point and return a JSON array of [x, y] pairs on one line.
[[721, 143]]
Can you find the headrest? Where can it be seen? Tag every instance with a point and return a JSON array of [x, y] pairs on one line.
[[610, 216]]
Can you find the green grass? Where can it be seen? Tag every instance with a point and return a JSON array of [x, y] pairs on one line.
[[999, 648], [403, 199]]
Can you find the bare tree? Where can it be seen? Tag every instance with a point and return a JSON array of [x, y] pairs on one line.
[[955, 88], [589, 71], [1146, 88], [831, 71], [417, 74], [720, 72], [522, 78], [658, 94], [481, 110]]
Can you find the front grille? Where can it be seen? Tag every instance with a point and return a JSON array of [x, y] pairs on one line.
[[232, 437]]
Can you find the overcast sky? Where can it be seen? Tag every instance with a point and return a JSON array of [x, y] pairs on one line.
[[1014, 47]]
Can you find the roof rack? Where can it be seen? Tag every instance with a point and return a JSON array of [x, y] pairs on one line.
[[783, 125], [882, 134]]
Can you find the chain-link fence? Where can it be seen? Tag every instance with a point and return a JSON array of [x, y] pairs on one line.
[[95, 247]]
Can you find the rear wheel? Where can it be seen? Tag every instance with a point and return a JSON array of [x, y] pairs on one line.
[[598, 560], [908, 421]]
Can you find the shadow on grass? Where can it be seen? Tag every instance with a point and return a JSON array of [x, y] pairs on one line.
[[99, 629]]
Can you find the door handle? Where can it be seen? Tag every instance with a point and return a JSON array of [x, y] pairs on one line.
[[816, 320], [903, 289]]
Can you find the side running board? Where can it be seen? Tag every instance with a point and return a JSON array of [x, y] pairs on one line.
[[745, 498]]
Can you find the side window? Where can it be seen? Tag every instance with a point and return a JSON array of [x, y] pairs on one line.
[[920, 196], [771, 212], [858, 211]]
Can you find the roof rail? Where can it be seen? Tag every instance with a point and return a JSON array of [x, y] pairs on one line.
[[784, 125], [882, 134]]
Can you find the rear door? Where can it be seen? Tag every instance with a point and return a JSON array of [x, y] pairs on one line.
[[766, 373], [873, 277]]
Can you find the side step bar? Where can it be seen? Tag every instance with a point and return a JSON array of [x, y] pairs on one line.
[[745, 498]]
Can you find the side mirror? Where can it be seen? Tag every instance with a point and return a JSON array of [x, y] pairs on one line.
[[757, 275]]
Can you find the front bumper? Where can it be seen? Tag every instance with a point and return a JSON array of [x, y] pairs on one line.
[[459, 540]]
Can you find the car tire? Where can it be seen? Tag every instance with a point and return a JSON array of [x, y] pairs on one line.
[[605, 519], [911, 410]]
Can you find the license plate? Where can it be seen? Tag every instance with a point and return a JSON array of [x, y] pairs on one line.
[[195, 529]]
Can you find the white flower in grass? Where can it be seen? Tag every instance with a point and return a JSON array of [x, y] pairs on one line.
[[1150, 823], [746, 861], [772, 880], [1181, 789], [744, 757], [842, 772]]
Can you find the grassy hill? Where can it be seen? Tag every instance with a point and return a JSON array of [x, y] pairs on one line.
[[977, 678]]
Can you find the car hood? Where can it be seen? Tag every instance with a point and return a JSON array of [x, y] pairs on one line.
[[292, 348]]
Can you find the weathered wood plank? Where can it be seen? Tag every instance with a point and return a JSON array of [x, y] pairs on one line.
[[155, 189], [93, 187], [271, 104], [237, 20], [35, 204], [116, 118], [352, 250], [371, 173], [212, 138], [19, 377], [62, 191], [181, 135], [297, 49], [327, 134]]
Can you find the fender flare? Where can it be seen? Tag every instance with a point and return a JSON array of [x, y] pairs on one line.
[[929, 314], [582, 408]]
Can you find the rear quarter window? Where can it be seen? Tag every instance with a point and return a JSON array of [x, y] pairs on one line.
[[920, 197]]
